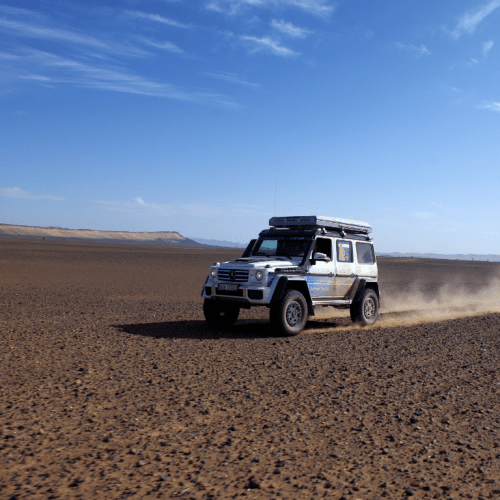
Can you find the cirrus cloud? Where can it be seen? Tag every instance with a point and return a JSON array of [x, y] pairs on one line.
[[268, 44], [290, 29], [470, 20], [21, 194]]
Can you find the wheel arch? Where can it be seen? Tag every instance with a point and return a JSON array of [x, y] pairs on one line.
[[285, 284], [359, 288]]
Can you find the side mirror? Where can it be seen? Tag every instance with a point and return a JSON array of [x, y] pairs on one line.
[[318, 256]]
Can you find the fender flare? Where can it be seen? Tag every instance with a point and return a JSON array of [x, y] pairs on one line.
[[359, 287], [283, 285], [279, 291]]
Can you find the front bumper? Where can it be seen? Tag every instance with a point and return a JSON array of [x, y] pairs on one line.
[[249, 294]]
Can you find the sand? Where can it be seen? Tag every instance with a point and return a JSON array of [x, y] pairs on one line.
[[113, 386]]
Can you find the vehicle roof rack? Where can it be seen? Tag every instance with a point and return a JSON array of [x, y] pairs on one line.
[[319, 221]]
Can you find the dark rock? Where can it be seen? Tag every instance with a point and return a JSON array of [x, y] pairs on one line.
[[252, 484]]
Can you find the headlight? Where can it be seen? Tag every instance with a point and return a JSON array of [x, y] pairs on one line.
[[213, 273], [259, 275]]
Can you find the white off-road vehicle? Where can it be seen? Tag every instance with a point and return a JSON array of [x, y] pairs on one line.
[[297, 265]]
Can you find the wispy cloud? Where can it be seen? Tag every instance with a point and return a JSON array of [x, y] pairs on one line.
[[233, 7], [161, 45], [419, 51], [21, 194], [491, 105], [269, 45], [487, 46], [199, 210], [290, 29], [232, 78], [27, 29], [470, 20], [157, 18], [48, 68]]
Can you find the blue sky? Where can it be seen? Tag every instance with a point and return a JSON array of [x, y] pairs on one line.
[[208, 117]]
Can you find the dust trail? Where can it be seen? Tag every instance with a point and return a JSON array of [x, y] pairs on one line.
[[450, 301], [415, 306]]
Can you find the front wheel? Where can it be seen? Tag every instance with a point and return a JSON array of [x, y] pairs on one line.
[[290, 314], [220, 316], [365, 311]]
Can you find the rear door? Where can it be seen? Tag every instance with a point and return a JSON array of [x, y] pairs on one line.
[[366, 266], [346, 273]]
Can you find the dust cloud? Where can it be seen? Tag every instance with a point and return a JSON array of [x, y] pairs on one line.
[[414, 306], [449, 302]]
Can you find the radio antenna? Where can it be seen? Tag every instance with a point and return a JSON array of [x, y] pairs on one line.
[[275, 189]]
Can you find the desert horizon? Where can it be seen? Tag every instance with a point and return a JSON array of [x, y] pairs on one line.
[[175, 238]]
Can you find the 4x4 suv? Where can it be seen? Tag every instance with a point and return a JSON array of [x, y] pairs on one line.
[[298, 264]]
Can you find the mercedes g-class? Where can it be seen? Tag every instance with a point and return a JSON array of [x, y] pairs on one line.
[[299, 264]]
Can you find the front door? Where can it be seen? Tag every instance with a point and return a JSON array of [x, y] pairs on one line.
[[345, 267], [321, 275]]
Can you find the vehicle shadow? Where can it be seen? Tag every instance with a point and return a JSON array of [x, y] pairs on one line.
[[198, 329]]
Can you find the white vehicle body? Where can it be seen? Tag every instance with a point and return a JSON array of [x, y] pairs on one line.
[[329, 261]]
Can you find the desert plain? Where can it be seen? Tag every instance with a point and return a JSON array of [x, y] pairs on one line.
[[113, 386]]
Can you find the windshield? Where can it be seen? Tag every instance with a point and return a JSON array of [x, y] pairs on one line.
[[284, 246]]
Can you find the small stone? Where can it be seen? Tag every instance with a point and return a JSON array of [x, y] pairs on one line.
[[252, 484], [78, 382], [140, 463], [163, 477], [409, 492]]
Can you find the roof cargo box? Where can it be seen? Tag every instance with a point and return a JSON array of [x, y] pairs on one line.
[[319, 221]]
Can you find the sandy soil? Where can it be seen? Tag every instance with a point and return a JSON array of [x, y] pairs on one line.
[[112, 386]]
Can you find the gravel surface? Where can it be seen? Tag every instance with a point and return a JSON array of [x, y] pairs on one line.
[[112, 386]]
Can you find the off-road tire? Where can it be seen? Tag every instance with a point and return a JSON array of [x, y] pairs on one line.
[[220, 316], [364, 312], [289, 316]]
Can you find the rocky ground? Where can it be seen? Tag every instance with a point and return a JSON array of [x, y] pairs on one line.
[[112, 386]]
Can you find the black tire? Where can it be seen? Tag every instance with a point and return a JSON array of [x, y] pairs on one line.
[[365, 311], [220, 316], [290, 315]]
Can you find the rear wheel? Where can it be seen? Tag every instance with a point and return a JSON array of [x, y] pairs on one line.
[[365, 311], [220, 316], [289, 316]]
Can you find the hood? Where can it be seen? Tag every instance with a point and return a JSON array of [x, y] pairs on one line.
[[262, 262]]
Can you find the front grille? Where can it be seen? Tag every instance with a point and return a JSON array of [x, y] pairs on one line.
[[230, 293], [239, 276]]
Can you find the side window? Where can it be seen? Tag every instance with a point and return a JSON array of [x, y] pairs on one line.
[[344, 251], [364, 252], [323, 245]]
